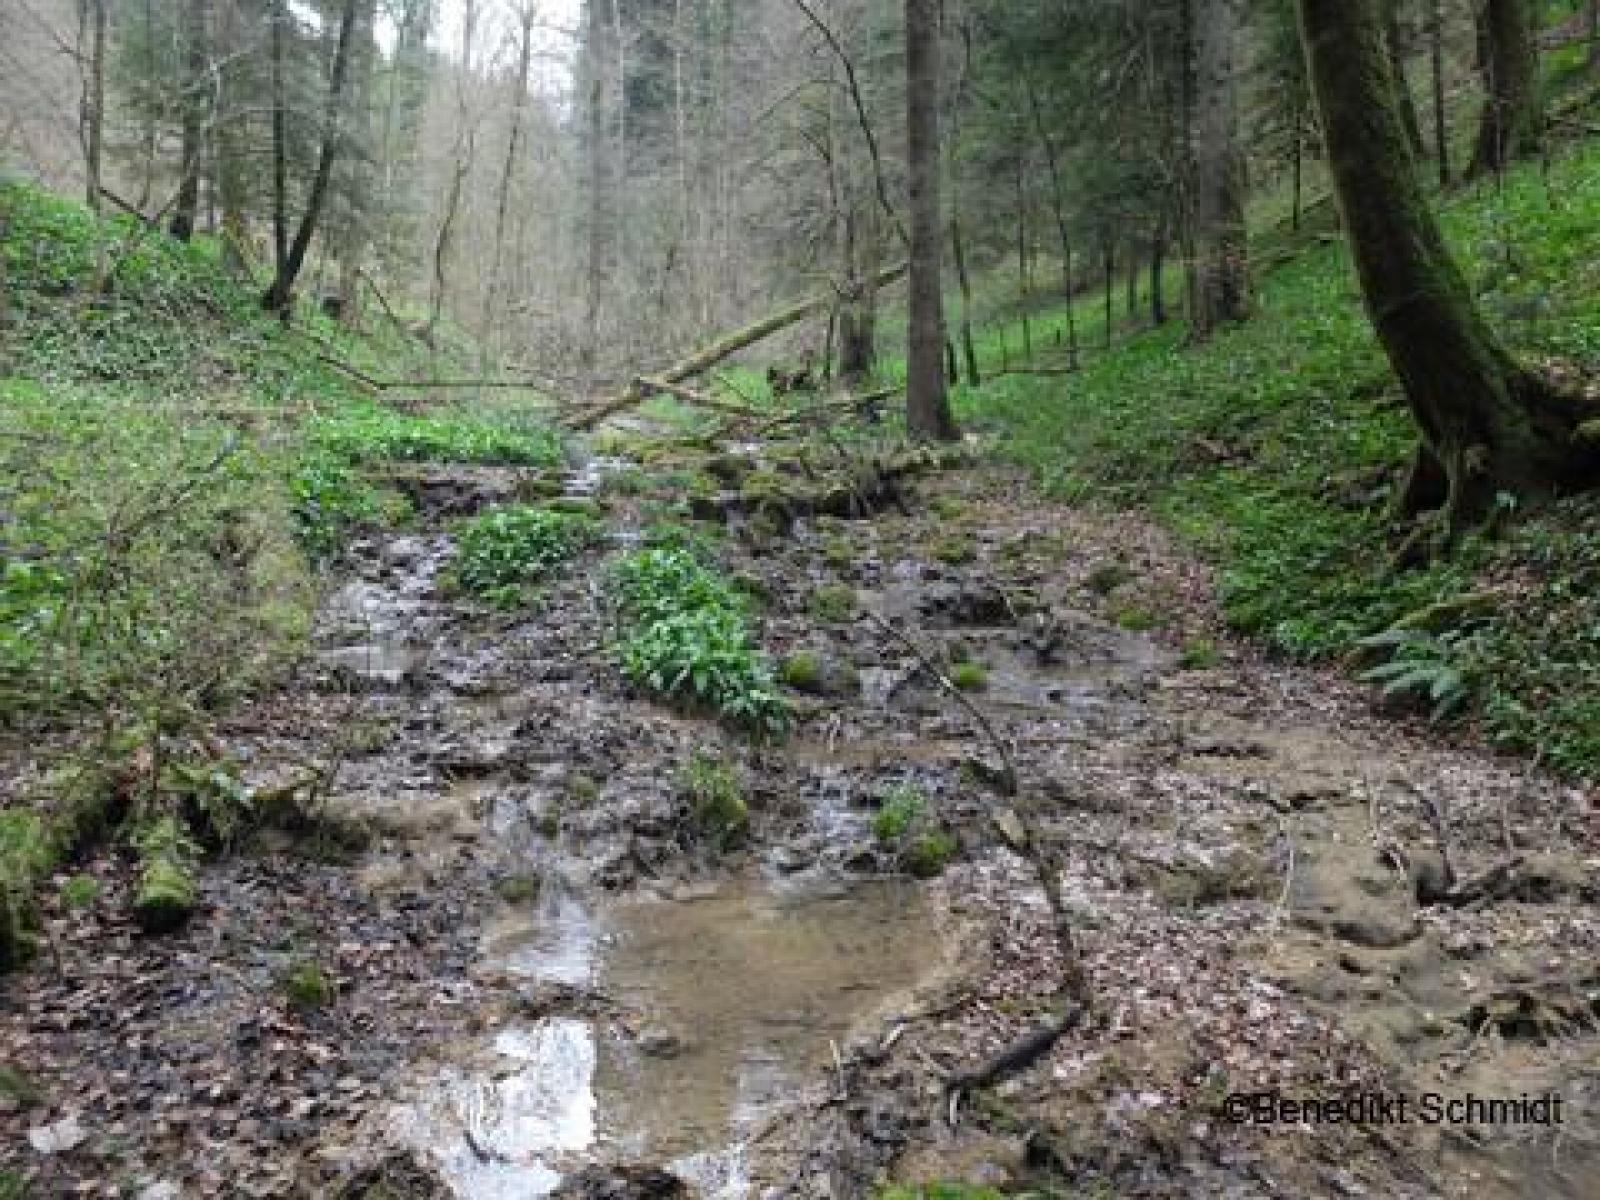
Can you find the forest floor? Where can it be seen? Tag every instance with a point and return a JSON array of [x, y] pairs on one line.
[[532, 970]]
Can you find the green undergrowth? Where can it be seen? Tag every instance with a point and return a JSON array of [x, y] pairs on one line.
[[502, 552], [337, 481], [687, 635], [1276, 449], [173, 461]]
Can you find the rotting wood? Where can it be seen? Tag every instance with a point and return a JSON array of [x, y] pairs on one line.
[[704, 359]]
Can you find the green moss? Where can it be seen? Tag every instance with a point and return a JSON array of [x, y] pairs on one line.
[[838, 553], [929, 853], [1135, 618], [165, 897], [717, 806], [901, 809], [833, 604], [19, 1092], [955, 549], [1107, 577], [307, 987], [520, 891], [1199, 654], [80, 892], [969, 676], [949, 507], [582, 790], [802, 671]]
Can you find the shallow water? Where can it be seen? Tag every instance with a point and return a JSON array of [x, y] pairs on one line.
[[728, 1005]]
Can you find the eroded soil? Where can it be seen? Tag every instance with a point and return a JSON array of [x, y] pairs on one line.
[[539, 973]]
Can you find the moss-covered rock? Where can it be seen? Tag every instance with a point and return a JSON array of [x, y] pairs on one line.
[[834, 604], [307, 986], [802, 671], [166, 894]]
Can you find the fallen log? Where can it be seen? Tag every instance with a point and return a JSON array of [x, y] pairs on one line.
[[703, 360]]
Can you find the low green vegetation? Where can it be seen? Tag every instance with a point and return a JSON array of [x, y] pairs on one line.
[[969, 675], [802, 670], [503, 551], [905, 823], [307, 987], [687, 637], [1277, 450], [833, 604], [717, 807]]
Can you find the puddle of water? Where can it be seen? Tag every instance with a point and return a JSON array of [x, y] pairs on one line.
[[728, 1005], [751, 984]]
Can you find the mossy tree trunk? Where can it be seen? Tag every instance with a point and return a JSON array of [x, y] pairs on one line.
[[1488, 426], [1512, 123]]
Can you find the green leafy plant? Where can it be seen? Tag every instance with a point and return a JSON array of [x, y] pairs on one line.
[[717, 805], [502, 551], [901, 809], [905, 823], [1434, 667], [687, 637]]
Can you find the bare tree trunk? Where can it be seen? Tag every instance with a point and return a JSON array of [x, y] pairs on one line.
[[1058, 205], [598, 59], [357, 235], [1512, 122], [958, 244], [519, 106], [1024, 290], [1488, 426], [92, 103], [927, 402], [278, 15], [233, 190], [1108, 270], [1221, 263], [1158, 269], [465, 147], [1394, 42], [279, 297], [194, 98], [1441, 120]]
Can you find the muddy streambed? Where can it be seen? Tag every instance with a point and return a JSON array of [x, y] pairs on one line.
[[715, 1009]]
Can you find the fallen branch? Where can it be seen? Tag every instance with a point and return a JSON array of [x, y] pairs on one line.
[[1008, 776], [703, 360]]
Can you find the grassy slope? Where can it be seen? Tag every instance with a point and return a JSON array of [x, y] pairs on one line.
[[1276, 448], [172, 464]]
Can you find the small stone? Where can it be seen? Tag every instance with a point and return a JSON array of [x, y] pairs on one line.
[[58, 1138]]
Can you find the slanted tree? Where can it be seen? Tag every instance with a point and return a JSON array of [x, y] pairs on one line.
[[1512, 123], [927, 400], [1489, 426], [290, 256]]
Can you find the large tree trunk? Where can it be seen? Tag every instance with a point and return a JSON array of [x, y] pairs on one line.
[[1221, 284], [927, 403], [280, 295], [194, 99], [1487, 425], [1512, 123]]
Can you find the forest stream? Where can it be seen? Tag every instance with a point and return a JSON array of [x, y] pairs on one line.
[[539, 986]]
